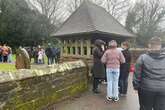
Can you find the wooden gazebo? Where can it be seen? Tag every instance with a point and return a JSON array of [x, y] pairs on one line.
[[88, 23]]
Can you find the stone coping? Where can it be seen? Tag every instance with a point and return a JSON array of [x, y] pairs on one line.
[[21, 74]]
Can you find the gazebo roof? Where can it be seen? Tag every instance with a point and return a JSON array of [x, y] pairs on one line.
[[91, 18]]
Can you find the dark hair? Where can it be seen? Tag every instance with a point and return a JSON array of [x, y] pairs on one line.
[[99, 42], [126, 43]]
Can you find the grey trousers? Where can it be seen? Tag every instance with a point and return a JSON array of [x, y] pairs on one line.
[[150, 100]]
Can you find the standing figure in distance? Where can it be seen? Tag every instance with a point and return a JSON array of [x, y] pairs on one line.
[[49, 54], [5, 52]]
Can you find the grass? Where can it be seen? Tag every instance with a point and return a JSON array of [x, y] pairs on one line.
[[7, 67], [11, 66]]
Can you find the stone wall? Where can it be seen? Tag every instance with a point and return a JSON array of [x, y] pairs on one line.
[[136, 53], [36, 89]]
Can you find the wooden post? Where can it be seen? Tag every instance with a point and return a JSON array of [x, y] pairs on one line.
[[88, 47], [61, 47], [71, 45], [76, 47], [66, 47], [81, 44]]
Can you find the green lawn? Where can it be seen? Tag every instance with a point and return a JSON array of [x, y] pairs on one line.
[[11, 66], [7, 67]]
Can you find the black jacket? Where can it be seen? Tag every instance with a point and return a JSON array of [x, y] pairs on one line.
[[127, 55], [98, 69], [49, 52], [150, 72], [125, 67]]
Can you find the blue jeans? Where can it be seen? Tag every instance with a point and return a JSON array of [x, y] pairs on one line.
[[112, 82], [9, 58]]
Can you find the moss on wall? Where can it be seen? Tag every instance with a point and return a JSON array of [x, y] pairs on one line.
[[38, 92], [53, 97]]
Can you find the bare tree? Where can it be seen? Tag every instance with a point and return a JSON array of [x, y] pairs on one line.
[[145, 19], [117, 8], [49, 8], [72, 5]]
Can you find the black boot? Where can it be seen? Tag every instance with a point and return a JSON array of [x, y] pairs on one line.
[[95, 85]]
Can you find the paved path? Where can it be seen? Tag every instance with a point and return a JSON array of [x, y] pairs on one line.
[[90, 101]]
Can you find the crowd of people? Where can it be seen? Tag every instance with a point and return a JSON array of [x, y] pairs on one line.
[[113, 64], [5, 54], [111, 61], [25, 55], [37, 53]]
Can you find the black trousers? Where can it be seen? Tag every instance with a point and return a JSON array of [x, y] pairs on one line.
[[96, 82], [123, 84], [123, 79], [149, 100], [4, 58]]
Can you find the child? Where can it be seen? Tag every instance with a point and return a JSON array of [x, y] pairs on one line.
[[40, 56]]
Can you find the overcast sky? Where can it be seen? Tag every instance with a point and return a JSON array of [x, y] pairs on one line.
[[66, 13]]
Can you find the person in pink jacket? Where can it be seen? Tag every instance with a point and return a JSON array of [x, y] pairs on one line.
[[112, 58]]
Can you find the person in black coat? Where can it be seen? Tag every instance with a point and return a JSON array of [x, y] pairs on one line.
[[57, 57], [124, 69], [50, 53], [98, 70]]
